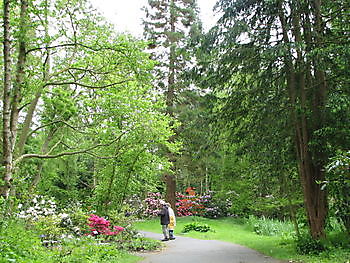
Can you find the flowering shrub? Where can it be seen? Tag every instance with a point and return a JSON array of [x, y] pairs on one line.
[[152, 204], [206, 205], [39, 206], [215, 206], [189, 205], [100, 226], [134, 206]]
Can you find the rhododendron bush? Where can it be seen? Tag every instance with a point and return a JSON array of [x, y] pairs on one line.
[[189, 205], [100, 226], [152, 204]]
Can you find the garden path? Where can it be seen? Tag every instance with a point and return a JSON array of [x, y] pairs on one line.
[[190, 250]]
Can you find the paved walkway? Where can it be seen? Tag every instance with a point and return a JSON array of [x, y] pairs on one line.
[[190, 250]]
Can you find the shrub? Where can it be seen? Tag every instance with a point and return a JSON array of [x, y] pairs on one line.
[[152, 204], [39, 206], [74, 220], [118, 218], [188, 205], [306, 245], [196, 226], [49, 229], [135, 206], [90, 251], [100, 226], [215, 206]]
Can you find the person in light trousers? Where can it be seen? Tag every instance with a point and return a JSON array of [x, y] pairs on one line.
[[164, 220], [172, 220]]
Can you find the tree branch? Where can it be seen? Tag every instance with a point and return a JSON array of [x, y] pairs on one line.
[[48, 156], [72, 45], [87, 86]]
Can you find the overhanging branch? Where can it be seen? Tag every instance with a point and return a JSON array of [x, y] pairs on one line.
[[53, 156], [87, 86]]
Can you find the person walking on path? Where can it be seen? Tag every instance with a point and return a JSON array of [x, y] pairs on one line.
[[172, 223], [164, 220]]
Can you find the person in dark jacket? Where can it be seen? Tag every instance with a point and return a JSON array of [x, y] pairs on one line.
[[164, 220]]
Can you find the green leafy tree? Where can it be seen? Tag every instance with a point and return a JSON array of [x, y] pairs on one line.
[[94, 88], [273, 62]]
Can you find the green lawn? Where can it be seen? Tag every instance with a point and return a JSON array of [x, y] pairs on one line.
[[234, 231]]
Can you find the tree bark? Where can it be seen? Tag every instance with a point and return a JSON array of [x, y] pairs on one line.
[[170, 179], [6, 114], [12, 96], [300, 81]]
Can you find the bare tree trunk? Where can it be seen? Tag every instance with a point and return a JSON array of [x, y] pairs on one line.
[[7, 156], [12, 97]]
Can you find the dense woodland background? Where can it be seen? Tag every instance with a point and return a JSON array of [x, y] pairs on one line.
[[255, 112]]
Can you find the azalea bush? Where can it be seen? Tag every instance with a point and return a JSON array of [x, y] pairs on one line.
[[189, 205], [208, 205], [100, 226]]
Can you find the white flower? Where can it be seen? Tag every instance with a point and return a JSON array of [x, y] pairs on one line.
[[22, 215], [20, 206], [64, 215]]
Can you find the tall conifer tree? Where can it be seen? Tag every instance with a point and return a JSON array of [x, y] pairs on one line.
[[171, 27]]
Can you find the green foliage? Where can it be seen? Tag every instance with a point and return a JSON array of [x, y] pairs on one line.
[[98, 111], [196, 226], [77, 219], [49, 227], [140, 244], [338, 186], [306, 245], [19, 244], [269, 227], [88, 250]]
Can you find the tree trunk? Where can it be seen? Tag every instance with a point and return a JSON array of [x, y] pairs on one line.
[[170, 190], [7, 156], [170, 178], [32, 107], [44, 150], [12, 97], [299, 80]]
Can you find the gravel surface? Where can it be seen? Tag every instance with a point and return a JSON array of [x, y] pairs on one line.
[[190, 250]]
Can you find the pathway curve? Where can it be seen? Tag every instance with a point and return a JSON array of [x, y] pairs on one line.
[[190, 250]]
